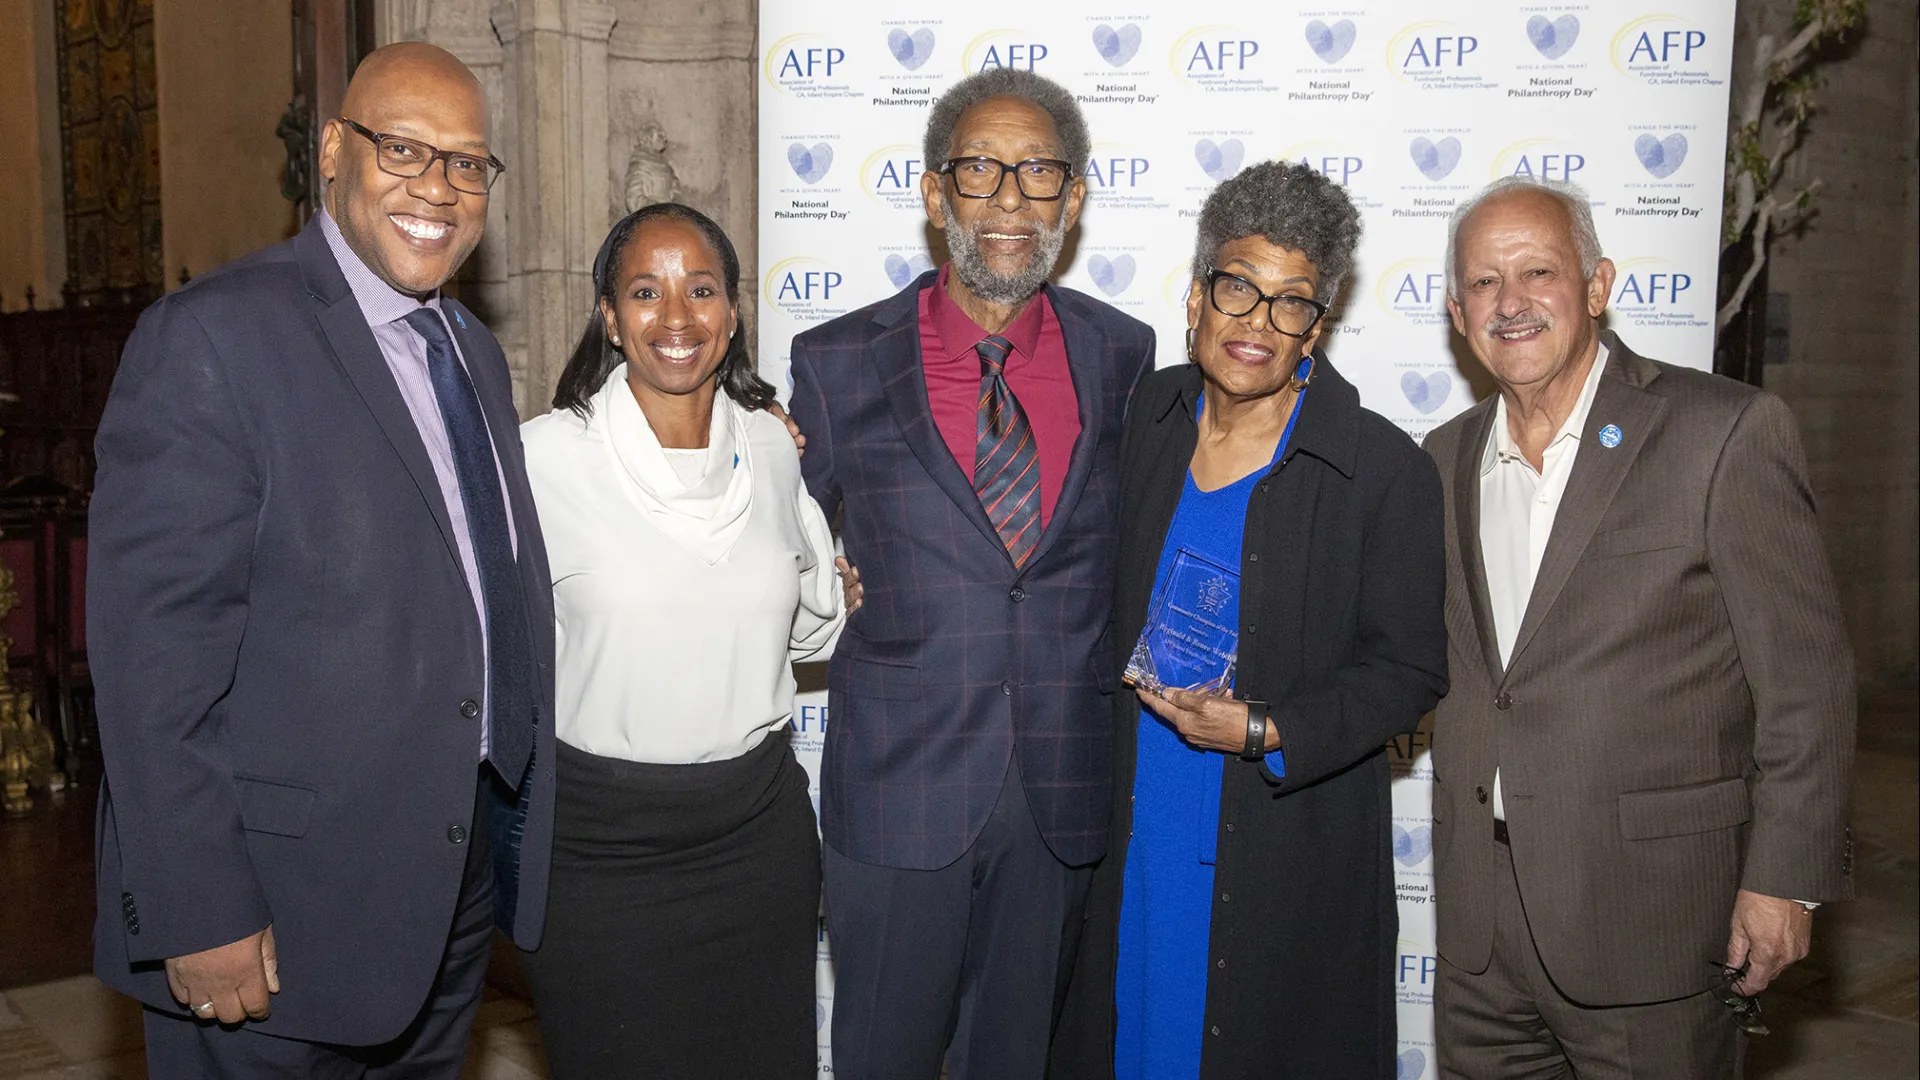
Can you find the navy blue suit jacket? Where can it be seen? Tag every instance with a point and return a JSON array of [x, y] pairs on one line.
[[282, 640], [957, 659]]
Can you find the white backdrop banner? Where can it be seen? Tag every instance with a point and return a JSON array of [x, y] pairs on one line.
[[1412, 105]]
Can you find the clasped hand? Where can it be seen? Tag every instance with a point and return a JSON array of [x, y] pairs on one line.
[[1205, 721], [235, 979]]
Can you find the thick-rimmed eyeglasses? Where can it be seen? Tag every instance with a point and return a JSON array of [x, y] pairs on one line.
[[1746, 1010], [1039, 179], [399, 156], [1294, 316]]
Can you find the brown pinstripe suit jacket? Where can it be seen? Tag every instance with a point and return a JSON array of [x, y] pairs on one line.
[[1676, 721]]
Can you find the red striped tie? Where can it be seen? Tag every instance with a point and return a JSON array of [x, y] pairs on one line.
[[1006, 463]]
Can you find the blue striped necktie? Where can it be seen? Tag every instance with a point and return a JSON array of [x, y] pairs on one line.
[[510, 705], [1006, 462]]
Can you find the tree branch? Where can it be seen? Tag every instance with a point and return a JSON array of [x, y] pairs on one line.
[[1739, 298]]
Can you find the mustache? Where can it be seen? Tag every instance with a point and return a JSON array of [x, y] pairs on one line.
[[1526, 320]]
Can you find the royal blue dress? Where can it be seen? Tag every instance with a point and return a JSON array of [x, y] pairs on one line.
[[1166, 904]]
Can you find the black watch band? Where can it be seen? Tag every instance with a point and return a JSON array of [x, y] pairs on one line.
[[1256, 747]]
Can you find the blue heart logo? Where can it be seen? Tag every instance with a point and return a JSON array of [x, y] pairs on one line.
[[1117, 46], [1411, 1066], [1435, 159], [1661, 156], [1113, 276], [1426, 393], [1412, 846], [1553, 37], [902, 270], [911, 50], [819, 1015], [1330, 43], [810, 164], [1219, 160]]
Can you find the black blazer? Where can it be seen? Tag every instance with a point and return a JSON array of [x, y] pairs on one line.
[[282, 641], [957, 658], [1341, 629]]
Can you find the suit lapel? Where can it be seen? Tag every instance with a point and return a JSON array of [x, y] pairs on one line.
[[1598, 472], [1466, 523], [359, 356], [896, 360], [1085, 351]]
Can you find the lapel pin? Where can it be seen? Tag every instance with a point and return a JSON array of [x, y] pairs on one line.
[[1610, 436], [462, 320]]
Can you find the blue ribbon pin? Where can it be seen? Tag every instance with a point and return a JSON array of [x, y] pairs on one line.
[[1610, 436]]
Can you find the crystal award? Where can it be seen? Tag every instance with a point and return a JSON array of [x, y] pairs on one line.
[[1193, 633]]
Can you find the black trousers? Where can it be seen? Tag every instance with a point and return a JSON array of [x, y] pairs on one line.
[[1511, 1023], [682, 928], [968, 961], [432, 1048]]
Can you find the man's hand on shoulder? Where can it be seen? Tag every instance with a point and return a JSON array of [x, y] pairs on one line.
[[230, 983], [793, 429], [1768, 934]]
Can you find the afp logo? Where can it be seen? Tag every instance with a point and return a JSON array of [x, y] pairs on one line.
[[1431, 48], [1414, 289], [809, 719], [1212, 52], [1542, 159], [1654, 43], [1415, 968], [803, 287], [1003, 48], [1652, 286], [891, 176], [799, 59], [1336, 164], [1111, 169]]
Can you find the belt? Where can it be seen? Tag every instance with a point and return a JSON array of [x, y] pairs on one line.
[[1500, 832]]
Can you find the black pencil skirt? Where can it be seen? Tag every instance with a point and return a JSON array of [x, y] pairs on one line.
[[682, 920]]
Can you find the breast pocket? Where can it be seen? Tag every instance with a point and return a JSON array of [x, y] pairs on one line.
[[1635, 539]]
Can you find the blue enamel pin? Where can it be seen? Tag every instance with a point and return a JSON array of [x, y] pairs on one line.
[[1610, 436], [462, 320]]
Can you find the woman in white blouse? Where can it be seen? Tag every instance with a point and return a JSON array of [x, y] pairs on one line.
[[690, 568]]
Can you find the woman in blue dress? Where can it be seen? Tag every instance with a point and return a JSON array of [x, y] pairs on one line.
[[1243, 922]]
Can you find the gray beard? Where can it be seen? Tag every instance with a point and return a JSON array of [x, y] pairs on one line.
[[997, 288]]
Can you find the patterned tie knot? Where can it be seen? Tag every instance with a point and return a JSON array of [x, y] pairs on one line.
[[993, 355]]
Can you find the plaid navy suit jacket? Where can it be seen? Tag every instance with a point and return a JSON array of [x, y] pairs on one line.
[[957, 661]]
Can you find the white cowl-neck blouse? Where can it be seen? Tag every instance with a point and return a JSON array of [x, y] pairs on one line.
[[685, 583]]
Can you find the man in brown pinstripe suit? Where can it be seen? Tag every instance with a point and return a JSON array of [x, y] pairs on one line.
[[1642, 769]]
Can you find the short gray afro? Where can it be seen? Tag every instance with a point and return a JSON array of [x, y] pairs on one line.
[[1290, 205], [1075, 146]]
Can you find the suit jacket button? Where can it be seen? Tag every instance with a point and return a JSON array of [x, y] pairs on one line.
[[469, 708], [1504, 701], [1006, 687], [457, 834], [1018, 594], [1480, 793]]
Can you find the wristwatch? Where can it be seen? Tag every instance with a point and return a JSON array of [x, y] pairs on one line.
[[1256, 747]]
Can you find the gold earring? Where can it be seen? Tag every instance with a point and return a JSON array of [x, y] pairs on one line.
[[1191, 359]]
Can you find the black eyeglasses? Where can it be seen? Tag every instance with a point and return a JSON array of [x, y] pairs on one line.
[[1039, 179], [398, 156], [1746, 1010], [1232, 295]]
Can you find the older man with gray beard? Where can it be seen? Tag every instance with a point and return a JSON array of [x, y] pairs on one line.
[[967, 430]]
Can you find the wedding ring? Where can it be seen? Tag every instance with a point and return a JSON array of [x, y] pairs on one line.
[[208, 1007]]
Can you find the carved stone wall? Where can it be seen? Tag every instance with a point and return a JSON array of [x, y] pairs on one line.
[[572, 85]]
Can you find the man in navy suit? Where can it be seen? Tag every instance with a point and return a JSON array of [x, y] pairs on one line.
[[322, 634], [968, 429]]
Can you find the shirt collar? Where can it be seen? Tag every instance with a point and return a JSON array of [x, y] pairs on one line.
[[1502, 444], [380, 302], [959, 334]]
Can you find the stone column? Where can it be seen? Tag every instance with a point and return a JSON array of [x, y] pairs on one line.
[[556, 72]]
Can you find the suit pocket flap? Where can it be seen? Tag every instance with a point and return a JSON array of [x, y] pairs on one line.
[[1638, 538], [1683, 811], [274, 806], [867, 679]]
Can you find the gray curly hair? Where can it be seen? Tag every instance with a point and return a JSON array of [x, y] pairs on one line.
[[1290, 205], [1572, 197], [1075, 145]]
